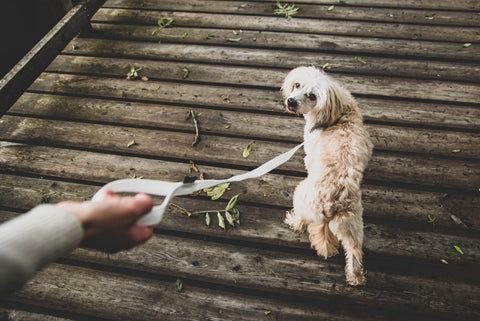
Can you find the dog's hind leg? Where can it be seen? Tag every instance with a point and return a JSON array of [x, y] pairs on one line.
[[349, 230], [322, 239]]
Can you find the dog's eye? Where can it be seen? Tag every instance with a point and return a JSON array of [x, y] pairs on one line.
[[312, 97], [297, 85]]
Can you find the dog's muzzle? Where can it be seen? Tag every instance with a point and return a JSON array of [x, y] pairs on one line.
[[292, 104]]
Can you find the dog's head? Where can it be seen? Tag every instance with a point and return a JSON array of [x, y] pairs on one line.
[[307, 90]]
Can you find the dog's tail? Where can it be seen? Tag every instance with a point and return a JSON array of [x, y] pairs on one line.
[[323, 240]]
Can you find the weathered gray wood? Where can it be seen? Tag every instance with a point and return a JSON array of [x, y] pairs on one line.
[[254, 126], [298, 25], [387, 204], [121, 297], [267, 228], [19, 315], [283, 40], [391, 167], [310, 11], [464, 5], [242, 123], [27, 69], [255, 99], [273, 58], [293, 274]]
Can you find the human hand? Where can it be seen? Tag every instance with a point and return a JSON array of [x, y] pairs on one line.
[[110, 225]]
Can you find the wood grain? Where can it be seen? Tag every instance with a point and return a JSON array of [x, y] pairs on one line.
[[387, 204], [273, 57]]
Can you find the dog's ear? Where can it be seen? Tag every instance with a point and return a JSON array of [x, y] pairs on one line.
[[338, 100]]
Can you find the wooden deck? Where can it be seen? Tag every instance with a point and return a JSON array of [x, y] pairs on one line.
[[416, 80]]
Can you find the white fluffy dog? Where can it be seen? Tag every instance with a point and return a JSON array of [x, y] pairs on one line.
[[328, 201]]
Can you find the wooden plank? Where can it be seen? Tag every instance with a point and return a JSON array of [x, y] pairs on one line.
[[282, 40], [96, 294], [464, 5], [290, 274], [253, 99], [272, 58], [340, 12], [285, 26], [12, 314], [250, 76], [264, 226], [254, 126], [30, 66], [387, 167], [244, 123], [386, 204]]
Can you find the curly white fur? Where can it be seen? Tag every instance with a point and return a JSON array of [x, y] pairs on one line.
[[328, 201]]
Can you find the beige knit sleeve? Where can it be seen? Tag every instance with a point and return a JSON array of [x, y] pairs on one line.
[[34, 239]]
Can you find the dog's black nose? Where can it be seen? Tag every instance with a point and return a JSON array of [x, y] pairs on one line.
[[291, 102]]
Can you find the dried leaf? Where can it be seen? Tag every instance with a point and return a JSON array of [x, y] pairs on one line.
[[178, 285], [185, 71], [468, 44], [231, 204], [193, 167], [458, 221], [444, 261], [131, 143], [208, 219], [234, 39], [221, 221], [331, 8], [247, 150], [459, 250]]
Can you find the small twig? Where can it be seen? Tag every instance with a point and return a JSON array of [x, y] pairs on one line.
[[197, 135], [184, 210]]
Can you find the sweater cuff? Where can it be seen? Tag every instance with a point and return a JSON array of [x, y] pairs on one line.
[[34, 239]]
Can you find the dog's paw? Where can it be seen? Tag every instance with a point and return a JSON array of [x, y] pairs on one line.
[[356, 280], [293, 223]]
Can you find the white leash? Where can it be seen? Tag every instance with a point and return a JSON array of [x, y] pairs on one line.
[[171, 189]]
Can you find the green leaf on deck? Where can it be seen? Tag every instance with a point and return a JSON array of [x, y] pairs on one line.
[[208, 219], [208, 36], [287, 10], [459, 250], [178, 285], [165, 22], [221, 220], [185, 71], [234, 39], [231, 204], [230, 218], [247, 150], [456, 151], [133, 72], [430, 16], [217, 191], [468, 44], [331, 8], [444, 261], [131, 143], [184, 35]]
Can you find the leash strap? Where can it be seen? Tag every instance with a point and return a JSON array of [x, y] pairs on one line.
[[171, 189]]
